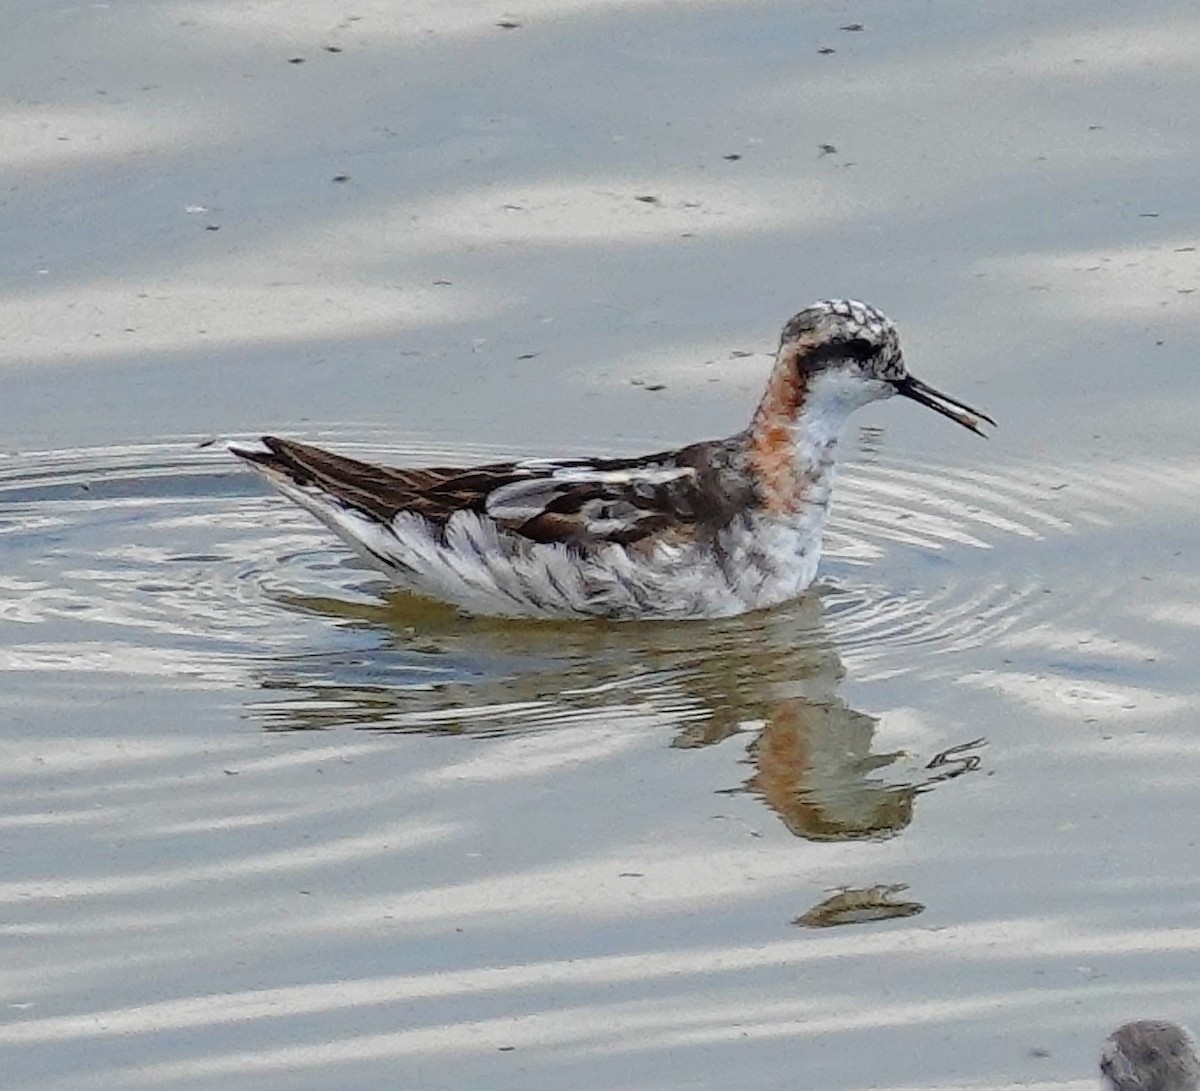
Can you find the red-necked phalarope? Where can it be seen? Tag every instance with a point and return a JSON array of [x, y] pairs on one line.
[[709, 530], [1150, 1056]]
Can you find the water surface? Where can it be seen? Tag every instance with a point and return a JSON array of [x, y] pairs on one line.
[[266, 825], [240, 765]]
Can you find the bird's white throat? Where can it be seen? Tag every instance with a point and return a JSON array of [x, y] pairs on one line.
[[830, 398]]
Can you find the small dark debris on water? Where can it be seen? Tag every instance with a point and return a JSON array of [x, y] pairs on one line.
[[505, 1049], [207, 442], [341, 178], [1095, 128], [1148, 215], [295, 60], [740, 354], [827, 149], [852, 26], [654, 386], [442, 283], [732, 157], [332, 48], [825, 50], [527, 356], [508, 24], [212, 227], [1040, 1052], [647, 199], [1184, 249], [631, 874]]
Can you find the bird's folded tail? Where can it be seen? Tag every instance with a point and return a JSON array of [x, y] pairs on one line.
[[374, 491]]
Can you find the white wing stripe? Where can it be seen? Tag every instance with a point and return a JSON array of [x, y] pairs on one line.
[[523, 500]]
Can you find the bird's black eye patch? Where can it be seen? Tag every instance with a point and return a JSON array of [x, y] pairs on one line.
[[858, 349]]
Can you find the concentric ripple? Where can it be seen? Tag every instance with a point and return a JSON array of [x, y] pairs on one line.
[[146, 560], [942, 560], [172, 558]]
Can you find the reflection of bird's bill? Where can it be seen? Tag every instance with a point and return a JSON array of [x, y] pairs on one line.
[[942, 403], [953, 762]]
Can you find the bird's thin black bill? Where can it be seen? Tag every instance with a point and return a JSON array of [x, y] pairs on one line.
[[943, 403]]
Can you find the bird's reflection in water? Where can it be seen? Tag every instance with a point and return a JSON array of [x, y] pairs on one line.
[[816, 770], [773, 676]]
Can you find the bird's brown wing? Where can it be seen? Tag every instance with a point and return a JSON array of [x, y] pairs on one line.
[[573, 501]]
